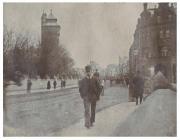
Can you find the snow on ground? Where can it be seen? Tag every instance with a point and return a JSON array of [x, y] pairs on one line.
[[106, 121], [38, 85], [155, 117], [47, 114]]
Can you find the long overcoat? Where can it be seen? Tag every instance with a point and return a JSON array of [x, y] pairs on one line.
[[89, 89], [138, 86]]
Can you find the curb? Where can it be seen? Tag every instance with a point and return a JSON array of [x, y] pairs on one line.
[[40, 92]]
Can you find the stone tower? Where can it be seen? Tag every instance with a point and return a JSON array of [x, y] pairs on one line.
[[50, 33]]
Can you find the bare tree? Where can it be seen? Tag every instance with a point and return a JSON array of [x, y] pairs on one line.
[[60, 61], [19, 58]]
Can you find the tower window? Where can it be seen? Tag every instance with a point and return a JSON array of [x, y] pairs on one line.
[[164, 52], [169, 17], [167, 33], [158, 19], [149, 55], [161, 34]]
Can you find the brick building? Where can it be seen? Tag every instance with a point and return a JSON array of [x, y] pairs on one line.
[[154, 45]]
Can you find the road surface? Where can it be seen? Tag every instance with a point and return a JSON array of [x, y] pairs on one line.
[[45, 114]]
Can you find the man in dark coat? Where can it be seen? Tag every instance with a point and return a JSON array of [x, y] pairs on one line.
[[89, 91], [48, 84], [138, 86], [54, 83], [29, 84]]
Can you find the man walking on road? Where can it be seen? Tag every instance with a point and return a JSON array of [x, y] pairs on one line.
[[89, 88], [138, 86]]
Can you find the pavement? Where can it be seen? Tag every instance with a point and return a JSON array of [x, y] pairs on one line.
[[154, 117], [107, 121], [157, 116]]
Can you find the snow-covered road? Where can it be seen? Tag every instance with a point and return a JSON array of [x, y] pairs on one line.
[[44, 115]]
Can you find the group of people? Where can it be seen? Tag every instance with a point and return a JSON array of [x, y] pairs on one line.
[[90, 88], [141, 86], [63, 84], [49, 84]]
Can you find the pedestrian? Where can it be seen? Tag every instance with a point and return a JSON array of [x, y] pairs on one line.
[[61, 82], [64, 83], [89, 88], [127, 81], [29, 84], [48, 84], [54, 83], [102, 87], [138, 86]]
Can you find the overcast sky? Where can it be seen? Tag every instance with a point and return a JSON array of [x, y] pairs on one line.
[[99, 32]]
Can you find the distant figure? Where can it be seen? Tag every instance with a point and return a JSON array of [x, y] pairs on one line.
[[63, 83], [48, 84], [138, 86], [89, 88], [127, 81], [54, 83], [102, 87], [29, 84]]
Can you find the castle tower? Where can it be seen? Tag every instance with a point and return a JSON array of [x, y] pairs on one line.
[[50, 33], [50, 30]]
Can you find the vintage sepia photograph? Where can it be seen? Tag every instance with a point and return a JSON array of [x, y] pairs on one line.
[[106, 69]]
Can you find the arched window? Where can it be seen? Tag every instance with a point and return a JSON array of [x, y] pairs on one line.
[[158, 19], [149, 55], [167, 33], [164, 51], [169, 17], [161, 34]]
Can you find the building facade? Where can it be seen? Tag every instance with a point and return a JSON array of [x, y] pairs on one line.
[[154, 45], [50, 33]]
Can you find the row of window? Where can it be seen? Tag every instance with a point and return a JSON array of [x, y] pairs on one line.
[[164, 52], [159, 19], [162, 34], [165, 33]]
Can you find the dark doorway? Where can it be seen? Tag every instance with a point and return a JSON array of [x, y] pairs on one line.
[[162, 68]]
